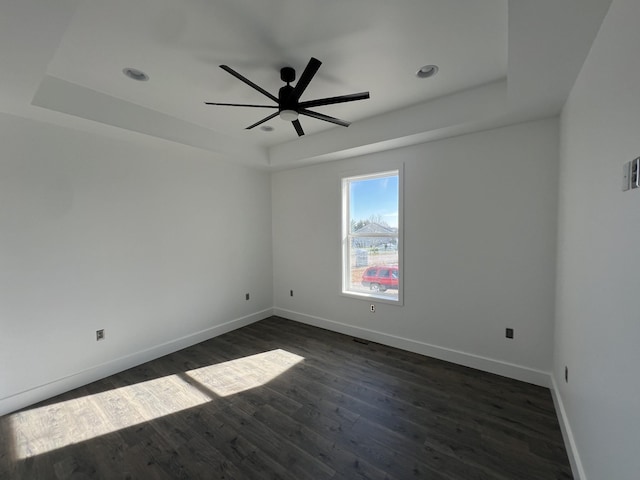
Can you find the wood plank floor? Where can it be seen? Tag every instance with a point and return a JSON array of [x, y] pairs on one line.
[[282, 400]]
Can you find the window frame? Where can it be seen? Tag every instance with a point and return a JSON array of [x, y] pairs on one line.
[[347, 235]]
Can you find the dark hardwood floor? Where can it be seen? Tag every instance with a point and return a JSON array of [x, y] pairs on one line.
[[279, 399]]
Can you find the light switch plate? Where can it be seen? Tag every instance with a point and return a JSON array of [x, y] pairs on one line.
[[626, 174]]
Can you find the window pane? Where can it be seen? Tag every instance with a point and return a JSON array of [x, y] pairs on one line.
[[379, 281], [373, 205]]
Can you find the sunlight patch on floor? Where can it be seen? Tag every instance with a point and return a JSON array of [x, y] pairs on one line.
[[41, 430], [236, 376]]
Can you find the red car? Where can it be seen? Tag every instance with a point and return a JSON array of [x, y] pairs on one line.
[[380, 278]]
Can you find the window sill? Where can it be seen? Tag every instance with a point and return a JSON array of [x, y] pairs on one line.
[[373, 297]]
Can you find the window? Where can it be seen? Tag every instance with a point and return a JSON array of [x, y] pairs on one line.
[[372, 236]]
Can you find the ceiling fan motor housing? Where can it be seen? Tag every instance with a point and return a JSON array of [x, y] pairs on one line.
[[286, 100]]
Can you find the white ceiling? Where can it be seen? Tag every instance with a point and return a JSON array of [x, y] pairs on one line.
[[63, 64]]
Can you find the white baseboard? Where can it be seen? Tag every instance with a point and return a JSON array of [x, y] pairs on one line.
[[537, 377], [55, 387], [517, 372], [567, 433]]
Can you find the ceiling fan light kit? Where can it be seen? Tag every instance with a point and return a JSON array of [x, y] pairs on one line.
[[288, 115], [288, 101]]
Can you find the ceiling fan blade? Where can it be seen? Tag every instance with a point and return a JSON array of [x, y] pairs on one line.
[[298, 127], [331, 100], [240, 105], [265, 119], [248, 82], [309, 72], [326, 118]]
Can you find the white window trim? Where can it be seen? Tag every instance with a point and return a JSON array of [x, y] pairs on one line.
[[346, 221]]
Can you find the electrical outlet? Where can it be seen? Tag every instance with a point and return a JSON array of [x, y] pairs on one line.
[[509, 333], [291, 293], [635, 173], [566, 374], [373, 307], [99, 335], [246, 296]]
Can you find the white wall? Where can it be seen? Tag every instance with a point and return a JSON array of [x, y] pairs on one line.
[[157, 245], [598, 315], [480, 233]]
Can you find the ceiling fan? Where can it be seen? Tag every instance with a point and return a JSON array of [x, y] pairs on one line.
[[288, 100]]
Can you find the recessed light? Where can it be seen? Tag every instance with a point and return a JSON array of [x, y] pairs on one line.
[[266, 128], [427, 71], [135, 74]]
